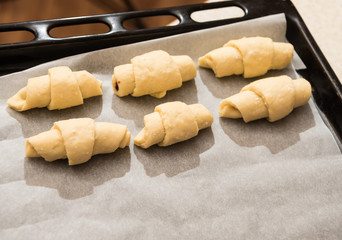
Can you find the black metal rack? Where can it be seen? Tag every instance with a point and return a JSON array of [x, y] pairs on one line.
[[327, 90]]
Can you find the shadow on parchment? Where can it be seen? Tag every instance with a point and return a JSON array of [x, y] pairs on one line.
[[135, 108], [38, 120], [228, 86], [224, 86], [77, 181], [177, 158], [276, 136]]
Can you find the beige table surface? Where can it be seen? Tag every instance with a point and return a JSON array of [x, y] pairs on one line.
[[324, 20]]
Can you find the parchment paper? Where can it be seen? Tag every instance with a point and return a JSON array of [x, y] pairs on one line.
[[259, 180]]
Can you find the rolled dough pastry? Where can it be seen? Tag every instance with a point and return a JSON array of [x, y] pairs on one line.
[[78, 140], [152, 73], [173, 122], [252, 57], [273, 97], [60, 89]]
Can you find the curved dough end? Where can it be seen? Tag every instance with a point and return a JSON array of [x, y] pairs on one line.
[[30, 151], [282, 55], [152, 133], [186, 67], [203, 117], [228, 110], [126, 140], [302, 91], [123, 80], [17, 102]]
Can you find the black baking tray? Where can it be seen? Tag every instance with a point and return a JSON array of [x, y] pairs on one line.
[[327, 89]]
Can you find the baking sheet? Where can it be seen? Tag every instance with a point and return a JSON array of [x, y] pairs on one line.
[[259, 180]]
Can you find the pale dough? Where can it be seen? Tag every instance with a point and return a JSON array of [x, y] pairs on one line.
[[152, 73], [252, 57], [60, 89], [273, 97], [173, 122], [78, 140]]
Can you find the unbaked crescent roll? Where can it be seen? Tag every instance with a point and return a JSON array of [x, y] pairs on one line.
[[173, 122], [152, 73], [252, 57], [273, 97], [60, 89], [78, 140]]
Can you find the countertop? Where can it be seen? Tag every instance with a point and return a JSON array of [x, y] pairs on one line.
[[324, 20]]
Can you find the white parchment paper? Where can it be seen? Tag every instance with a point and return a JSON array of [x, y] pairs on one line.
[[259, 180]]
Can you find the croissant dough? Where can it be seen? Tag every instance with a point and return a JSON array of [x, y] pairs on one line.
[[173, 122], [273, 97], [152, 73], [252, 57], [78, 140], [60, 89]]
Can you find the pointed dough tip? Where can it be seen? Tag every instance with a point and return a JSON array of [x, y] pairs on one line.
[[29, 150]]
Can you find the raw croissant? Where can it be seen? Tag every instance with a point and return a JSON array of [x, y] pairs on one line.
[[60, 89], [78, 140], [173, 122], [252, 57], [273, 97], [152, 73]]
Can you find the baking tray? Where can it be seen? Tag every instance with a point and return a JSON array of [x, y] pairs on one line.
[[259, 180], [327, 90]]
